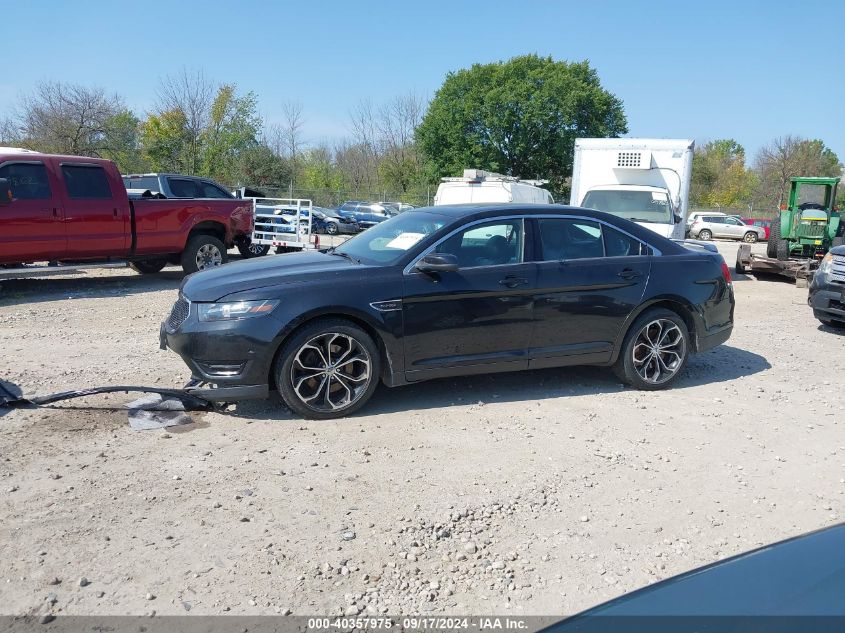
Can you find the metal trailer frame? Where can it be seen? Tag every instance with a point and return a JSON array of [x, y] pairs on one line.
[[801, 269], [266, 230]]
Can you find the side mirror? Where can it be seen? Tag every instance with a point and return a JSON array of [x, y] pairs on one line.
[[438, 263], [5, 192]]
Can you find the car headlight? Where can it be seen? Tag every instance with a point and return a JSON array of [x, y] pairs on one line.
[[230, 311], [827, 264]]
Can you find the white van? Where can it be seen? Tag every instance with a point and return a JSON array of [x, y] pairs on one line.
[[477, 185]]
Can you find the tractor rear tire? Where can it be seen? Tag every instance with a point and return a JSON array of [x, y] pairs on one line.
[[777, 247], [838, 241]]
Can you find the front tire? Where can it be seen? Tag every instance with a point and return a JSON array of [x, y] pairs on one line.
[[148, 266], [750, 237], [328, 369], [705, 235], [331, 228], [654, 351], [203, 252]]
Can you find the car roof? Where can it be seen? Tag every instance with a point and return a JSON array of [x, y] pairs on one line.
[[481, 211]]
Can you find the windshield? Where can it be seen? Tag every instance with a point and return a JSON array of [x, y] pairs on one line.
[[639, 206], [386, 242]]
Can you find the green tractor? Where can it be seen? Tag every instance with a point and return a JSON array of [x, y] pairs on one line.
[[809, 225]]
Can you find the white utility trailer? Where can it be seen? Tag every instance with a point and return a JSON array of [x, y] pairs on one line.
[[283, 224]]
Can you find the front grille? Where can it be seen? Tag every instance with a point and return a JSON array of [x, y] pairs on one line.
[[837, 270], [812, 229], [178, 314]]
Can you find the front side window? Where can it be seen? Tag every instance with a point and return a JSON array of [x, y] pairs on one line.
[[86, 182], [210, 190], [492, 244], [28, 181]]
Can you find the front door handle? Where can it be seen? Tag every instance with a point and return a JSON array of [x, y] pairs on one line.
[[513, 282], [630, 273]]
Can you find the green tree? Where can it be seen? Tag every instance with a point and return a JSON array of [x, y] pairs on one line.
[[123, 142], [719, 176], [519, 117], [165, 139], [232, 130]]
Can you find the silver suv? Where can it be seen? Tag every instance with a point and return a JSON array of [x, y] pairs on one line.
[[706, 227]]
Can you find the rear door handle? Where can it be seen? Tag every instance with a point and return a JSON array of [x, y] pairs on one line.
[[630, 273], [513, 282]]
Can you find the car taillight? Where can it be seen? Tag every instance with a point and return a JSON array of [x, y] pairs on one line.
[[726, 273]]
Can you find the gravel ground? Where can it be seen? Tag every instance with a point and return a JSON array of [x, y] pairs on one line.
[[541, 492]]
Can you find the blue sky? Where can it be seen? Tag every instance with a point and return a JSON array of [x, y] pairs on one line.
[[743, 69]]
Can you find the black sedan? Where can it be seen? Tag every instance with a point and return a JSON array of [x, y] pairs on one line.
[[448, 291], [827, 289]]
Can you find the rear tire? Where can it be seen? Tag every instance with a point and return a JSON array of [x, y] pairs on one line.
[[750, 237], [148, 266], [655, 350], [253, 250], [311, 377], [203, 252], [705, 235], [777, 247]]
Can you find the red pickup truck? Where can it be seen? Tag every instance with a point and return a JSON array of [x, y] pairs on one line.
[[76, 210]]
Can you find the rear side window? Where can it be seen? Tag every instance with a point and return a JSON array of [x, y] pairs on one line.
[[28, 181], [86, 181], [714, 219], [183, 188], [618, 244], [570, 239]]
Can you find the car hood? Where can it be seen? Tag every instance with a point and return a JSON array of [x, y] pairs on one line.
[[249, 274], [838, 250]]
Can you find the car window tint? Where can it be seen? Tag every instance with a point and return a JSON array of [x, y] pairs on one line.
[[28, 181], [491, 244], [618, 244], [86, 181], [570, 239], [182, 188], [209, 190]]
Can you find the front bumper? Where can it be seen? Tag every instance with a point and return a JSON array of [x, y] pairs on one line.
[[233, 356], [827, 299]]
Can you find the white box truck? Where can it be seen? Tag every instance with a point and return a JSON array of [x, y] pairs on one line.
[[646, 180], [477, 185]]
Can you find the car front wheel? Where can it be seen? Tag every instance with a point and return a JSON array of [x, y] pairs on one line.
[[331, 228], [328, 369], [654, 351]]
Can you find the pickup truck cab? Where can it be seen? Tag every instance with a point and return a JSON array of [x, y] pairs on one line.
[[76, 209], [177, 186]]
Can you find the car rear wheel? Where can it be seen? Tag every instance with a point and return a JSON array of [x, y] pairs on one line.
[[328, 369], [654, 350], [203, 252], [750, 237], [705, 235]]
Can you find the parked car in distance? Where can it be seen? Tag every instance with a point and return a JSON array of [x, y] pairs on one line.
[[693, 216], [365, 214], [827, 289], [449, 291], [330, 222], [398, 207], [780, 587], [177, 186], [75, 209], [707, 227], [763, 223]]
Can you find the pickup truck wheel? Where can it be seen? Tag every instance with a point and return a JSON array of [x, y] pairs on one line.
[[202, 252], [148, 266], [253, 250]]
